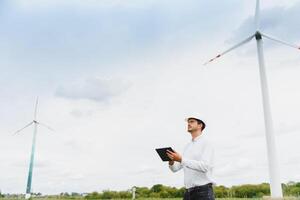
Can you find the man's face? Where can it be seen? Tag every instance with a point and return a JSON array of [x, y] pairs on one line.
[[193, 125]]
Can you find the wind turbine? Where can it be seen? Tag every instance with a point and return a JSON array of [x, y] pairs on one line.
[[35, 123], [275, 183]]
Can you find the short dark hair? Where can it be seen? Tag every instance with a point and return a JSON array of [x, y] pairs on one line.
[[203, 124], [199, 122]]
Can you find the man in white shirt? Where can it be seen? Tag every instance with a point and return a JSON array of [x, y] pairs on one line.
[[197, 162]]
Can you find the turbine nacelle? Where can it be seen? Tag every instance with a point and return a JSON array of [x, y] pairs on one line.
[[258, 35]]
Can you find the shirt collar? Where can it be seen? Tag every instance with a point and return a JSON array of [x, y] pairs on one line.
[[197, 138]]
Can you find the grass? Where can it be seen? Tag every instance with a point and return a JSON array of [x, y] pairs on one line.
[[45, 198]]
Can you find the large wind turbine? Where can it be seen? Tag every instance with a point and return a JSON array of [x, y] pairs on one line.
[[275, 183], [35, 124]]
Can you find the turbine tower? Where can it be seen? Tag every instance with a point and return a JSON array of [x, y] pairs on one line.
[[35, 124], [274, 173]]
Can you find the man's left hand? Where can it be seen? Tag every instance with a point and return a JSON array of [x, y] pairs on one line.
[[174, 156]]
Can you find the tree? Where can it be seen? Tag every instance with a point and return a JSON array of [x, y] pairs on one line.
[[221, 191], [157, 188], [93, 195], [142, 192]]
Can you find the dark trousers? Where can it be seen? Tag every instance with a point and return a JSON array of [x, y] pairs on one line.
[[200, 193]]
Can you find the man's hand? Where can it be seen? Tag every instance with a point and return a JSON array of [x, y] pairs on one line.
[[174, 156], [171, 162]]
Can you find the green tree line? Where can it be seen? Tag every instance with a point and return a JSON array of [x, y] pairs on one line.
[[162, 191]]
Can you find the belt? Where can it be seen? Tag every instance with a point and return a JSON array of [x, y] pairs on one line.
[[200, 188]]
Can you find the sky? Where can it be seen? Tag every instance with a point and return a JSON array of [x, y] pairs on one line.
[[116, 79]]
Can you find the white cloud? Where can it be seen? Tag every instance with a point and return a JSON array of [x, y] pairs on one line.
[[36, 4], [279, 21], [96, 89]]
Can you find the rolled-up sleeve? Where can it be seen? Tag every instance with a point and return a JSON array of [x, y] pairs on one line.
[[175, 167]]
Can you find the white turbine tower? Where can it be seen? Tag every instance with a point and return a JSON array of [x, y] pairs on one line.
[[275, 183], [35, 124]]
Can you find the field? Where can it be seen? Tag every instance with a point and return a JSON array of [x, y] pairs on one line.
[[286, 198]]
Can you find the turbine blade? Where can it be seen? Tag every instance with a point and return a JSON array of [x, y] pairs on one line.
[[280, 41], [230, 49], [257, 15], [46, 126], [35, 109], [23, 128]]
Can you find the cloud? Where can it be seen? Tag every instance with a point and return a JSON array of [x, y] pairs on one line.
[[95, 89], [67, 34], [146, 169], [278, 21], [281, 129], [234, 168], [34, 4]]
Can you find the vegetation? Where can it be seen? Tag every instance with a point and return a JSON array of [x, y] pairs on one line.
[[160, 191]]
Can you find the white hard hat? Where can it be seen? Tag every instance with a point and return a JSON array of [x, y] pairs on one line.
[[196, 118]]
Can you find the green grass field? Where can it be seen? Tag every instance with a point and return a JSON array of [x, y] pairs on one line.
[[286, 198]]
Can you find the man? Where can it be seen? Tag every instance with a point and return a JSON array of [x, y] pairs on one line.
[[196, 161]]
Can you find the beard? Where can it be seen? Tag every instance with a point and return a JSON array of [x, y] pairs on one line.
[[190, 130]]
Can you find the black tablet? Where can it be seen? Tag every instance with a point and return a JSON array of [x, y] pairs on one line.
[[162, 152]]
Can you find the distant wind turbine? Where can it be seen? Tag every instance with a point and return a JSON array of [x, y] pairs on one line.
[[35, 124], [275, 183]]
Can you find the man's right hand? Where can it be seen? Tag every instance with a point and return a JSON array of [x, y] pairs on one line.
[[171, 162]]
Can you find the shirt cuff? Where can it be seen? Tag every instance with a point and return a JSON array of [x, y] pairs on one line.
[[183, 161]]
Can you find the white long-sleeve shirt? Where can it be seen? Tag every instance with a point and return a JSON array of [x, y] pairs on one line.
[[197, 162]]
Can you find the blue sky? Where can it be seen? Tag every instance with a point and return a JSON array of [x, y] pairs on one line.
[[116, 73]]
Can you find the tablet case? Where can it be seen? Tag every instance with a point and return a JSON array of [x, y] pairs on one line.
[[162, 152]]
